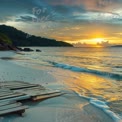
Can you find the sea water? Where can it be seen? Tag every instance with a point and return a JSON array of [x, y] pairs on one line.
[[92, 73]]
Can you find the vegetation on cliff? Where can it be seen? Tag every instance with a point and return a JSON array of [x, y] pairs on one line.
[[20, 38]]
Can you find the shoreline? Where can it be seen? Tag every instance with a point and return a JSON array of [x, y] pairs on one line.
[[66, 108]]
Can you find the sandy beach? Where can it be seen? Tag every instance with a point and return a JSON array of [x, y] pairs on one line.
[[66, 108]]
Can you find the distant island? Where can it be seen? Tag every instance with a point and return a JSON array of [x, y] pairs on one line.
[[15, 37], [116, 46], [102, 44]]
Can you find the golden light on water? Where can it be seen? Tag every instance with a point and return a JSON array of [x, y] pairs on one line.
[[88, 85]]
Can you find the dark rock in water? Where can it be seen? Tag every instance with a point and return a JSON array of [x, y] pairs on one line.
[[28, 49], [19, 48], [37, 50]]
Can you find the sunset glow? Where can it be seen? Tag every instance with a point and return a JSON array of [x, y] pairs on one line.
[[98, 40], [71, 21]]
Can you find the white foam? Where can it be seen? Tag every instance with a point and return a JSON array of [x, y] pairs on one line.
[[92, 71], [103, 106]]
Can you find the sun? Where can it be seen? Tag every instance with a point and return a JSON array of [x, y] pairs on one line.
[[98, 40]]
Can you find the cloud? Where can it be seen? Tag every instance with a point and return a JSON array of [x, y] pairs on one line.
[[24, 19], [63, 10], [64, 19]]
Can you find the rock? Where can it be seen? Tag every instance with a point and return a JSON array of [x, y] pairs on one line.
[[27, 50], [19, 48], [37, 50]]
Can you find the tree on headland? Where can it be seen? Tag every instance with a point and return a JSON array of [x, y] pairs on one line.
[[19, 38], [5, 38]]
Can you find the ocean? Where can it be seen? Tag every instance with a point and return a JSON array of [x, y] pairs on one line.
[[92, 73]]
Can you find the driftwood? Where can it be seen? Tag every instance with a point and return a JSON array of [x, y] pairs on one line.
[[13, 91]]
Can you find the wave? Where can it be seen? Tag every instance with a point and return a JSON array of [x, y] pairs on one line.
[[91, 71], [103, 106]]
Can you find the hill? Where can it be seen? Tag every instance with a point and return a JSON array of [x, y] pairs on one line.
[[19, 38]]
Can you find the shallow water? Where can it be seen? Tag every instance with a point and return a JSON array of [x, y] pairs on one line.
[[95, 73]]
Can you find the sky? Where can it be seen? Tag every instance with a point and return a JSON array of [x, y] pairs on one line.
[[84, 21]]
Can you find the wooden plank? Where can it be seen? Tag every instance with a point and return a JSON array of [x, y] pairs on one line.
[[46, 96], [11, 96], [14, 85], [35, 92], [37, 87], [31, 88], [43, 94], [17, 110], [9, 83], [19, 98], [6, 94], [13, 82], [13, 105], [6, 102], [18, 81], [6, 85], [4, 90], [21, 87]]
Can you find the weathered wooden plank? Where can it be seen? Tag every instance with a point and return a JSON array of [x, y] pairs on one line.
[[25, 91], [6, 94], [4, 84], [37, 88], [18, 81], [3, 89], [21, 87], [14, 85], [9, 84], [13, 82], [11, 96], [6, 102], [19, 98], [35, 92], [12, 105], [47, 93], [17, 110], [46, 96]]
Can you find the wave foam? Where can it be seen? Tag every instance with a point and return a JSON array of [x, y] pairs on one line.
[[103, 106], [92, 71]]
